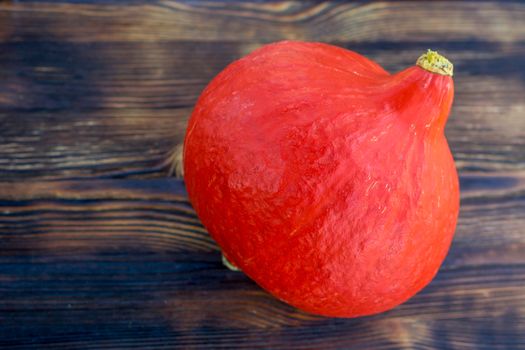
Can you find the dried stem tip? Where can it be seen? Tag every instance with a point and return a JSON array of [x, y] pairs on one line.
[[435, 63]]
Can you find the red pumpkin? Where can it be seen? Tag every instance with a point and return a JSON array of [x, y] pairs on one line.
[[326, 179]]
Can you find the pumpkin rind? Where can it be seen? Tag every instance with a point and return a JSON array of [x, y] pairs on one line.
[[324, 178]]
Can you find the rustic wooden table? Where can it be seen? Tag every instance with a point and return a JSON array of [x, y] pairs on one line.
[[99, 247]]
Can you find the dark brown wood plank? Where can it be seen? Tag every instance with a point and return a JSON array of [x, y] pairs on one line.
[[89, 143], [126, 263], [55, 75], [490, 204], [115, 113], [242, 21]]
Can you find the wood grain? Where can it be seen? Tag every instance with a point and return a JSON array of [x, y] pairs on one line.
[[239, 21], [89, 143], [65, 261], [100, 248], [123, 116]]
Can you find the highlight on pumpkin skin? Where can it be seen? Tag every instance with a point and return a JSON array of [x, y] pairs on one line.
[[433, 62]]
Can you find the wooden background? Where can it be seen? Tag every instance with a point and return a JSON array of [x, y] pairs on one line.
[[99, 247]]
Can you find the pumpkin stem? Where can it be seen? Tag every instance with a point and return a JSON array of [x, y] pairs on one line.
[[229, 265], [435, 63]]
